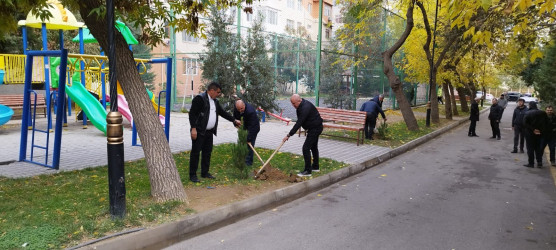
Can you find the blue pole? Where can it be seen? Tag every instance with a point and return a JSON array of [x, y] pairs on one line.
[[102, 80], [24, 34], [46, 72], [60, 111], [168, 95], [61, 34], [26, 108]]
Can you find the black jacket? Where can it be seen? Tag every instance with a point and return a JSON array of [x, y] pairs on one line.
[[474, 113], [536, 119], [199, 113], [519, 114], [250, 121], [495, 112], [552, 125], [308, 117]]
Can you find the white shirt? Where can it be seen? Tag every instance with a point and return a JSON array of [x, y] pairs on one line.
[[212, 115]]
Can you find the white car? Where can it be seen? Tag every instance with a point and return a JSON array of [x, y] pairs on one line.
[[528, 99], [488, 97]]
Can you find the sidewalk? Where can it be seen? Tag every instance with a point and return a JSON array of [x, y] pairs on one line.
[[85, 148]]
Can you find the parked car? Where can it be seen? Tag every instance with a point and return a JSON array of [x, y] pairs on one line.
[[488, 97], [529, 98], [513, 96]]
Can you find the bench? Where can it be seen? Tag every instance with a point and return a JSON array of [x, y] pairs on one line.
[[15, 102], [344, 119]]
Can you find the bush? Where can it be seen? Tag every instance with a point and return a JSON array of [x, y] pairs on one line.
[[383, 130]]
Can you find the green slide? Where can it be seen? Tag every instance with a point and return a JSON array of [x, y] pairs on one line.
[[90, 105]]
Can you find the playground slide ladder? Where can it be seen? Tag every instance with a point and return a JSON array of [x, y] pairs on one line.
[[34, 130]]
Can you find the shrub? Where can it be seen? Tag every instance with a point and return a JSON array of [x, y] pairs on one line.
[[383, 130], [239, 152]]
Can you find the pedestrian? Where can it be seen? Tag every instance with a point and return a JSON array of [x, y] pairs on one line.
[[494, 116], [502, 102], [378, 99], [203, 118], [550, 138], [439, 94], [308, 118], [517, 125], [535, 123], [250, 123], [473, 117], [373, 109]]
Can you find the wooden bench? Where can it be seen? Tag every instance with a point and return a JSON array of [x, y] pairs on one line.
[[15, 102], [344, 119]]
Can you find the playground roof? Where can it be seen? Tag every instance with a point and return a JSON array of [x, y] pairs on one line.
[[62, 18], [126, 32]]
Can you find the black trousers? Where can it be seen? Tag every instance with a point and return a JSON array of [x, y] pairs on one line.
[[550, 142], [203, 144], [472, 127], [519, 137], [533, 143], [249, 157], [370, 124], [311, 146], [495, 128]]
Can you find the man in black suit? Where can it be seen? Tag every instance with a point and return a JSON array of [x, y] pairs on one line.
[[203, 118], [535, 123], [473, 117], [309, 118], [250, 123]]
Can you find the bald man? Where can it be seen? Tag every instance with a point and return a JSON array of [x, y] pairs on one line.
[[251, 124], [309, 118]]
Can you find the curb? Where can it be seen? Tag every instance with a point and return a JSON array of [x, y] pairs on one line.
[[197, 224]]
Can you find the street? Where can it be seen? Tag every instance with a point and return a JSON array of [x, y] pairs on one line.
[[454, 192]]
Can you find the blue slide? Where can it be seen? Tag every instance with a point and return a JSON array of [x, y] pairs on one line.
[[90, 105], [5, 114]]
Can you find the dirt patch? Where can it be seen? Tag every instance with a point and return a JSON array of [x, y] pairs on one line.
[[271, 174]]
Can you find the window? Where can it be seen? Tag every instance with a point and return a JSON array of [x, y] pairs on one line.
[[249, 17], [291, 4], [290, 24], [327, 10], [190, 66], [300, 4], [310, 7], [327, 34], [188, 38], [272, 16]]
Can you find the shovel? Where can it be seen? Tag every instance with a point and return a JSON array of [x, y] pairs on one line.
[[258, 156], [267, 163]]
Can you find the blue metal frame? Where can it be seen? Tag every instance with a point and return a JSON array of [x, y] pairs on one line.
[[63, 54], [168, 91]]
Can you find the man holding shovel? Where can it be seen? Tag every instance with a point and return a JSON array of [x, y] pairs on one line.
[[309, 118], [250, 123]]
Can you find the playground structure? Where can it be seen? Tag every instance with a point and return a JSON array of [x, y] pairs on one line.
[[76, 75]]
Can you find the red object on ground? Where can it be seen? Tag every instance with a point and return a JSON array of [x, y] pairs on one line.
[[279, 117]]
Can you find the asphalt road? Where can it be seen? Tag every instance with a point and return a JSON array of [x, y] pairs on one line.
[[455, 192]]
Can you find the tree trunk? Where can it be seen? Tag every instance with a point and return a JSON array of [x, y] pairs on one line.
[[453, 98], [394, 80], [463, 99], [447, 101], [163, 174]]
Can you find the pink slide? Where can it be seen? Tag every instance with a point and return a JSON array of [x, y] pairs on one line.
[[123, 108]]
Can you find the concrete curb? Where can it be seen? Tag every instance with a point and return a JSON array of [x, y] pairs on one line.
[[190, 226]]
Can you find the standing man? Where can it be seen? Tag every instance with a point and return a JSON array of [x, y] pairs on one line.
[[373, 109], [250, 123], [439, 94], [535, 123], [203, 118], [517, 125], [308, 118], [502, 102], [550, 138], [378, 99], [494, 116], [473, 117]]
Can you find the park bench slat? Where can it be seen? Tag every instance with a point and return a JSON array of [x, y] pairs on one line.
[[335, 118]]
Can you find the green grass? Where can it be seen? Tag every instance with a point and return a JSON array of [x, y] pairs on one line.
[[61, 210], [398, 134]]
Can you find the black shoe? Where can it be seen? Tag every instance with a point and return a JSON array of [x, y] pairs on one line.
[[514, 151], [475, 135], [315, 170], [529, 165], [492, 137], [521, 151], [305, 173], [194, 179], [498, 138], [208, 176], [553, 163], [539, 165]]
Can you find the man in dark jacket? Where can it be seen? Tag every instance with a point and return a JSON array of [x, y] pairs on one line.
[[473, 117], [250, 123], [517, 125], [203, 118], [535, 122], [550, 138], [373, 109], [494, 116], [378, 99], [309, 118]]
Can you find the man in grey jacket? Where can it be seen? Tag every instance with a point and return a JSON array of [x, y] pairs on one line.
[[503, 103], [517, 125]]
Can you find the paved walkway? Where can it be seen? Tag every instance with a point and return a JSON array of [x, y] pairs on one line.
[[85, 148]]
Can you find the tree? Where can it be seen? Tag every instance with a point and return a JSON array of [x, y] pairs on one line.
[[541, 74], [337, 93], [357, 32]]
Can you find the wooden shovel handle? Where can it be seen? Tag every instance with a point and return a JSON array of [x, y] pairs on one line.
[[267, 161], [258, 156]]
